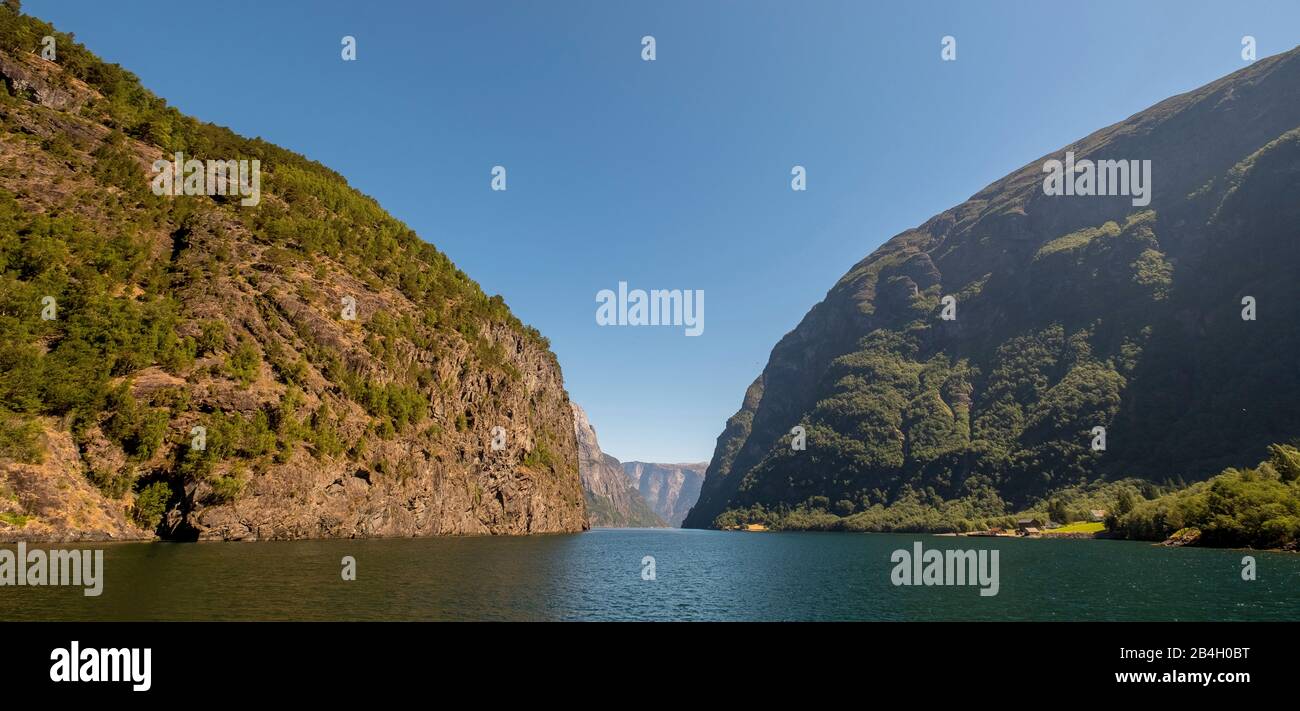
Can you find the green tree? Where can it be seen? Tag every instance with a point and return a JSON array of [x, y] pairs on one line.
[[1286, 460], [1124, 502], [1056, 511], [151, 504]]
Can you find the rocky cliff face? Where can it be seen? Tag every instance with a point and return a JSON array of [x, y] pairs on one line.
[[196, 368], [670, 489], [1070, 313], [612, 500]]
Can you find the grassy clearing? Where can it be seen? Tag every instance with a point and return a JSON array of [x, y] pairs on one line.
[[1080, 527]]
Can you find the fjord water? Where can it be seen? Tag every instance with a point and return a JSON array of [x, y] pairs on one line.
[[700, 575]]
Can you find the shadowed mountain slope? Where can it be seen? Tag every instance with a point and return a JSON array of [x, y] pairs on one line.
[[1071, 312]]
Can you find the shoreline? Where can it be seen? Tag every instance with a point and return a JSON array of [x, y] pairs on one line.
[[754, 528], [1171, 542]]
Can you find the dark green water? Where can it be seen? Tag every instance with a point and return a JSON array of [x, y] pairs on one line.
[[700, 575]]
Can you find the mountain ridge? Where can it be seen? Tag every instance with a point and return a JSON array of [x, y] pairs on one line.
[[860, 372], [612, 498], [671, 489], [305, 368]]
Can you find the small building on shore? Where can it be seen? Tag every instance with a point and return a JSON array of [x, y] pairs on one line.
[[1023, 525]]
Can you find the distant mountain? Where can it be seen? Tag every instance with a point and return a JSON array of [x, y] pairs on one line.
[[295, 364], [670, 489], [612, 500], [1070, 312]]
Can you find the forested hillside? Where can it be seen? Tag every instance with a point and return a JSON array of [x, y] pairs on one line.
[[347, 376]]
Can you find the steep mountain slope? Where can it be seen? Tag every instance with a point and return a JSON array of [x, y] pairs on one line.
[[612, 500], [670, 489], [303, 367], [1072, 312]]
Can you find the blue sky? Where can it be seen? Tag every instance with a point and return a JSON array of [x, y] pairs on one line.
[[673, 173]]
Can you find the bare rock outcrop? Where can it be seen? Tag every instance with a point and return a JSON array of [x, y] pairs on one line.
[[670, 489], [201, 380], [612, 498]]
